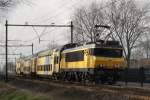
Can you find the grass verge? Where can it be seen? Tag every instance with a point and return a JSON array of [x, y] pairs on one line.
[[9, 93]]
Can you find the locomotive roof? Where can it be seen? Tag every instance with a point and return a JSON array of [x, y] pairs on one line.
[[80, 47], [93, 45]]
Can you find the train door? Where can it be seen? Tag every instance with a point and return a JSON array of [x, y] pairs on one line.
[[48, 70], [22, 63], [54, 65], [87, 58], [35, 65], [18, 67], [56, 58], [56, 61]]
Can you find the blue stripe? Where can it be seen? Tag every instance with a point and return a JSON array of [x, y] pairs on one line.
[[47, 60]]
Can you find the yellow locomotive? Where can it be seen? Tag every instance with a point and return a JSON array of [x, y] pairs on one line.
[[93, 62], [98, 62]]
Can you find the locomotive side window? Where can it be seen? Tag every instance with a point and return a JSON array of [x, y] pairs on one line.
[[106, 52], [74, 56]]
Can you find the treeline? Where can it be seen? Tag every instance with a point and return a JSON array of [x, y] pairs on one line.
[[128, 21]]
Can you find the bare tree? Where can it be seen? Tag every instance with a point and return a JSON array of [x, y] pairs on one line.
[[144, 44], [85, 19], [137, 54], [6, 4], [128, 23]]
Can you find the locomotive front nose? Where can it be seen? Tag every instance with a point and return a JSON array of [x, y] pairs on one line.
[[110, 63]]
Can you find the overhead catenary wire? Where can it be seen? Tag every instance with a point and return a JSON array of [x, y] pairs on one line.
[[31, 25], [59, 12], [73, 5], [36, 32], [41, 17], [103, 6], [52, 16]]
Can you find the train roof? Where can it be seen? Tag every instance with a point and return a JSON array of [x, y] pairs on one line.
[[45, 52], [102, 44], [27, 57], [41, 53]]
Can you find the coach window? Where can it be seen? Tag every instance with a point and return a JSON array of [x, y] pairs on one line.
[[50, 67], [39, 68], [42, 68], [46, 67]]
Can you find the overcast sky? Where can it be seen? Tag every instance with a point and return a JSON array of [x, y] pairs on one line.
[[41, 12]]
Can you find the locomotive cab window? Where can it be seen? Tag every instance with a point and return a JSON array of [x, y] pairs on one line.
[[74, 56], [107, 52]]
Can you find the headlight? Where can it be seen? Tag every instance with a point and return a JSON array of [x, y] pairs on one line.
[[117, 65]]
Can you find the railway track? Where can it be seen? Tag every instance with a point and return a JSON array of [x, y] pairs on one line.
[[126, 91]]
